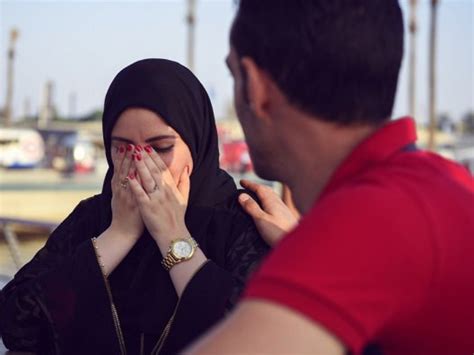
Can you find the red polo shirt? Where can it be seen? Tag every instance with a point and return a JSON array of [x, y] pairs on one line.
[[386, 255]]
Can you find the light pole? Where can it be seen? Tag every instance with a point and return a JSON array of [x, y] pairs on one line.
[[8, 111], [191, 20], [412, 59], [432, 76]]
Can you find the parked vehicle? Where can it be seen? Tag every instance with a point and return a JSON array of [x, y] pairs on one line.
[[20, 148]]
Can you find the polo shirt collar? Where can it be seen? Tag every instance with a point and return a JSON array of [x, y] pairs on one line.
[[383, 143]]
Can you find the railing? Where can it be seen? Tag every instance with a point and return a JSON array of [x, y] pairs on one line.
[[7, 227]]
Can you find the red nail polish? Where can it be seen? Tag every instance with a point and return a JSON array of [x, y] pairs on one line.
[[131, 176], [133, 156], [139, 148], [130, 147], [148, 148], [121, 149], [139, 156]]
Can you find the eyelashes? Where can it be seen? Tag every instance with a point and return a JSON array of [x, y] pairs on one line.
[[164, 149]]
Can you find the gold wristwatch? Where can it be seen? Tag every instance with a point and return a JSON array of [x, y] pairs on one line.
[[180, 250]]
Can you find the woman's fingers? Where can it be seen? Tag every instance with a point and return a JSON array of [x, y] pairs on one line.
[[155, 157], [162, 172], [154, 174], [184, 184], [117, 154], [160, 164], [148, 179], [126, 162], [140, 195]]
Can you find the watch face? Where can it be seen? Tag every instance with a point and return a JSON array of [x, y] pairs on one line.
[[182, 249]]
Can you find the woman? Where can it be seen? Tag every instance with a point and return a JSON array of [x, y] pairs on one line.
[[121, 274]]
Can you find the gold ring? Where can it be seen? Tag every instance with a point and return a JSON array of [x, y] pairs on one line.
[[124, 183]]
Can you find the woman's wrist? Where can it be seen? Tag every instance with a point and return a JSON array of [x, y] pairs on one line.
[[165, 240], [183, 272], [120, 233], [112, 246]]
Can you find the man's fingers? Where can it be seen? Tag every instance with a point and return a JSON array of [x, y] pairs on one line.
[[263, 192], [251, 206], [249, 184]]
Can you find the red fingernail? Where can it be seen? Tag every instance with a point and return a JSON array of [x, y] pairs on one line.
[[133, 156], [131, 176], [130, 147], [148, 148], [139, 148], [139, 156], [121, 149]]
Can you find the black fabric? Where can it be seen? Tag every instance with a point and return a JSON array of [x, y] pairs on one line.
[[58, 302]]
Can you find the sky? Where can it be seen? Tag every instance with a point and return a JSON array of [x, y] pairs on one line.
[[81, 45]]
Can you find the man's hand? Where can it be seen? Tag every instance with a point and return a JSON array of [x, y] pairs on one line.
[[274, 219]]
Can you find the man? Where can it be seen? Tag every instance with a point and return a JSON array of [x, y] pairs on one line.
[[381, 261]]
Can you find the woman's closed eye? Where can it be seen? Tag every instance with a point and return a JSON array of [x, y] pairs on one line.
[[163, 149]]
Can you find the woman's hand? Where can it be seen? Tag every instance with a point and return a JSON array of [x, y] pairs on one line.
[[274, 219], [162, 203], [126, 219]]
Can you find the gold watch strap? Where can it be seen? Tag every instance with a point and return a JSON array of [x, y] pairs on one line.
[[170, 260]]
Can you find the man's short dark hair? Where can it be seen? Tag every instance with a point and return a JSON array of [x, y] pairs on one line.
[[335, 59]]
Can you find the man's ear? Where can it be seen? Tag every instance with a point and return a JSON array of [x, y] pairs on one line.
[[257, 89]]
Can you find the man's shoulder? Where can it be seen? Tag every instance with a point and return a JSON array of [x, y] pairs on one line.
[[363, 195], [366, 210], [409, 179]]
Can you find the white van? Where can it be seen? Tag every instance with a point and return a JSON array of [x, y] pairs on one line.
[[20, 148]]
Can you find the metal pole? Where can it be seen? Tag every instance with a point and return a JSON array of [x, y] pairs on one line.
[[26, 108], [72, 105], [10, 63], [191, 20], [432, 76], [412, 59], [13, 245]]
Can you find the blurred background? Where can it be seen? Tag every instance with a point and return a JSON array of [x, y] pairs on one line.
[[57, 59]]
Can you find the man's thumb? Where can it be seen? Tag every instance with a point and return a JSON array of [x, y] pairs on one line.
[[251, 206]]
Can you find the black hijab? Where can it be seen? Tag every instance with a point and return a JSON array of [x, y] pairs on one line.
[[174, 93]]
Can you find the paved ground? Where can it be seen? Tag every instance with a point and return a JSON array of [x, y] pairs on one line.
[[39, 195]]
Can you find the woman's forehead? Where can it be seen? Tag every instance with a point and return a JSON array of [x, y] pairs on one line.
[[141, 120]]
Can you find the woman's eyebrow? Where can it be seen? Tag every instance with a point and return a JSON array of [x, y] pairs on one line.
[[157, 138], [114, 138], [151, 139]]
